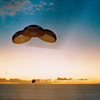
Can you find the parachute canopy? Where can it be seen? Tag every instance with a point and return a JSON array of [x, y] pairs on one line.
[[49, 36], [18, 38], [34, 31]]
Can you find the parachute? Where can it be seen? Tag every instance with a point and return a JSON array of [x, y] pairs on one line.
[[18, 38], [32, 31], [49, 36]]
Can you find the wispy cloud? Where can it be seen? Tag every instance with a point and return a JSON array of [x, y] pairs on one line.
[[40, 5], [41, 2], [44, 3], [51, 4], [7, 26], [44, 6], [37, 9], [11, 7]]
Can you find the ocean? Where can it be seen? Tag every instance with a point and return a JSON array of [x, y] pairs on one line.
[[49, 92]]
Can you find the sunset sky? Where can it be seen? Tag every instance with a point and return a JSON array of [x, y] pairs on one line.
[[75, 54]]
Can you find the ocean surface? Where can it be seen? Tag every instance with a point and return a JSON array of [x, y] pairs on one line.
[[49, 92]]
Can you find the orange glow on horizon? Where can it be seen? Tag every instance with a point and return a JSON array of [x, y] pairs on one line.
[[50, 81], [31, 62]]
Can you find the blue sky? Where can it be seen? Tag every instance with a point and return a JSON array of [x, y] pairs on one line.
[[75, 53]]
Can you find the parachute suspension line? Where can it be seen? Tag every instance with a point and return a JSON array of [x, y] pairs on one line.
[[37, 63], [30, 31]]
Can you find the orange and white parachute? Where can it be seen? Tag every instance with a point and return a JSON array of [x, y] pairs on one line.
[[34, 31], [49, 36], [19, 38]]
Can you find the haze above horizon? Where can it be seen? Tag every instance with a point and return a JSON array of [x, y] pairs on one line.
[[75, 54]]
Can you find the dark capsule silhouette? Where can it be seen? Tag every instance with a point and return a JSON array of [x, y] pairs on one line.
[[33, 81]]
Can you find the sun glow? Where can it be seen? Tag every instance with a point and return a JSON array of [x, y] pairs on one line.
[[29, 62]]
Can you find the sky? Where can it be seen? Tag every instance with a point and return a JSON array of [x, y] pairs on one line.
[[75, 54]]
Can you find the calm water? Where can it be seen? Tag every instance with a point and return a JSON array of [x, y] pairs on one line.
[[49, 92]]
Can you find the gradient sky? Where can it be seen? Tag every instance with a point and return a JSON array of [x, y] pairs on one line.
[[76, 53]]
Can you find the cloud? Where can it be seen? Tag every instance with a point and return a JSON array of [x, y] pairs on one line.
[[12, 13], [64, 78], [82, 79], [3, 80], [41, 2], [44, 3], [44, 6], [40, 5], [7, 26], [11, 7], [51, 4], [16, 80], [37, 9]]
